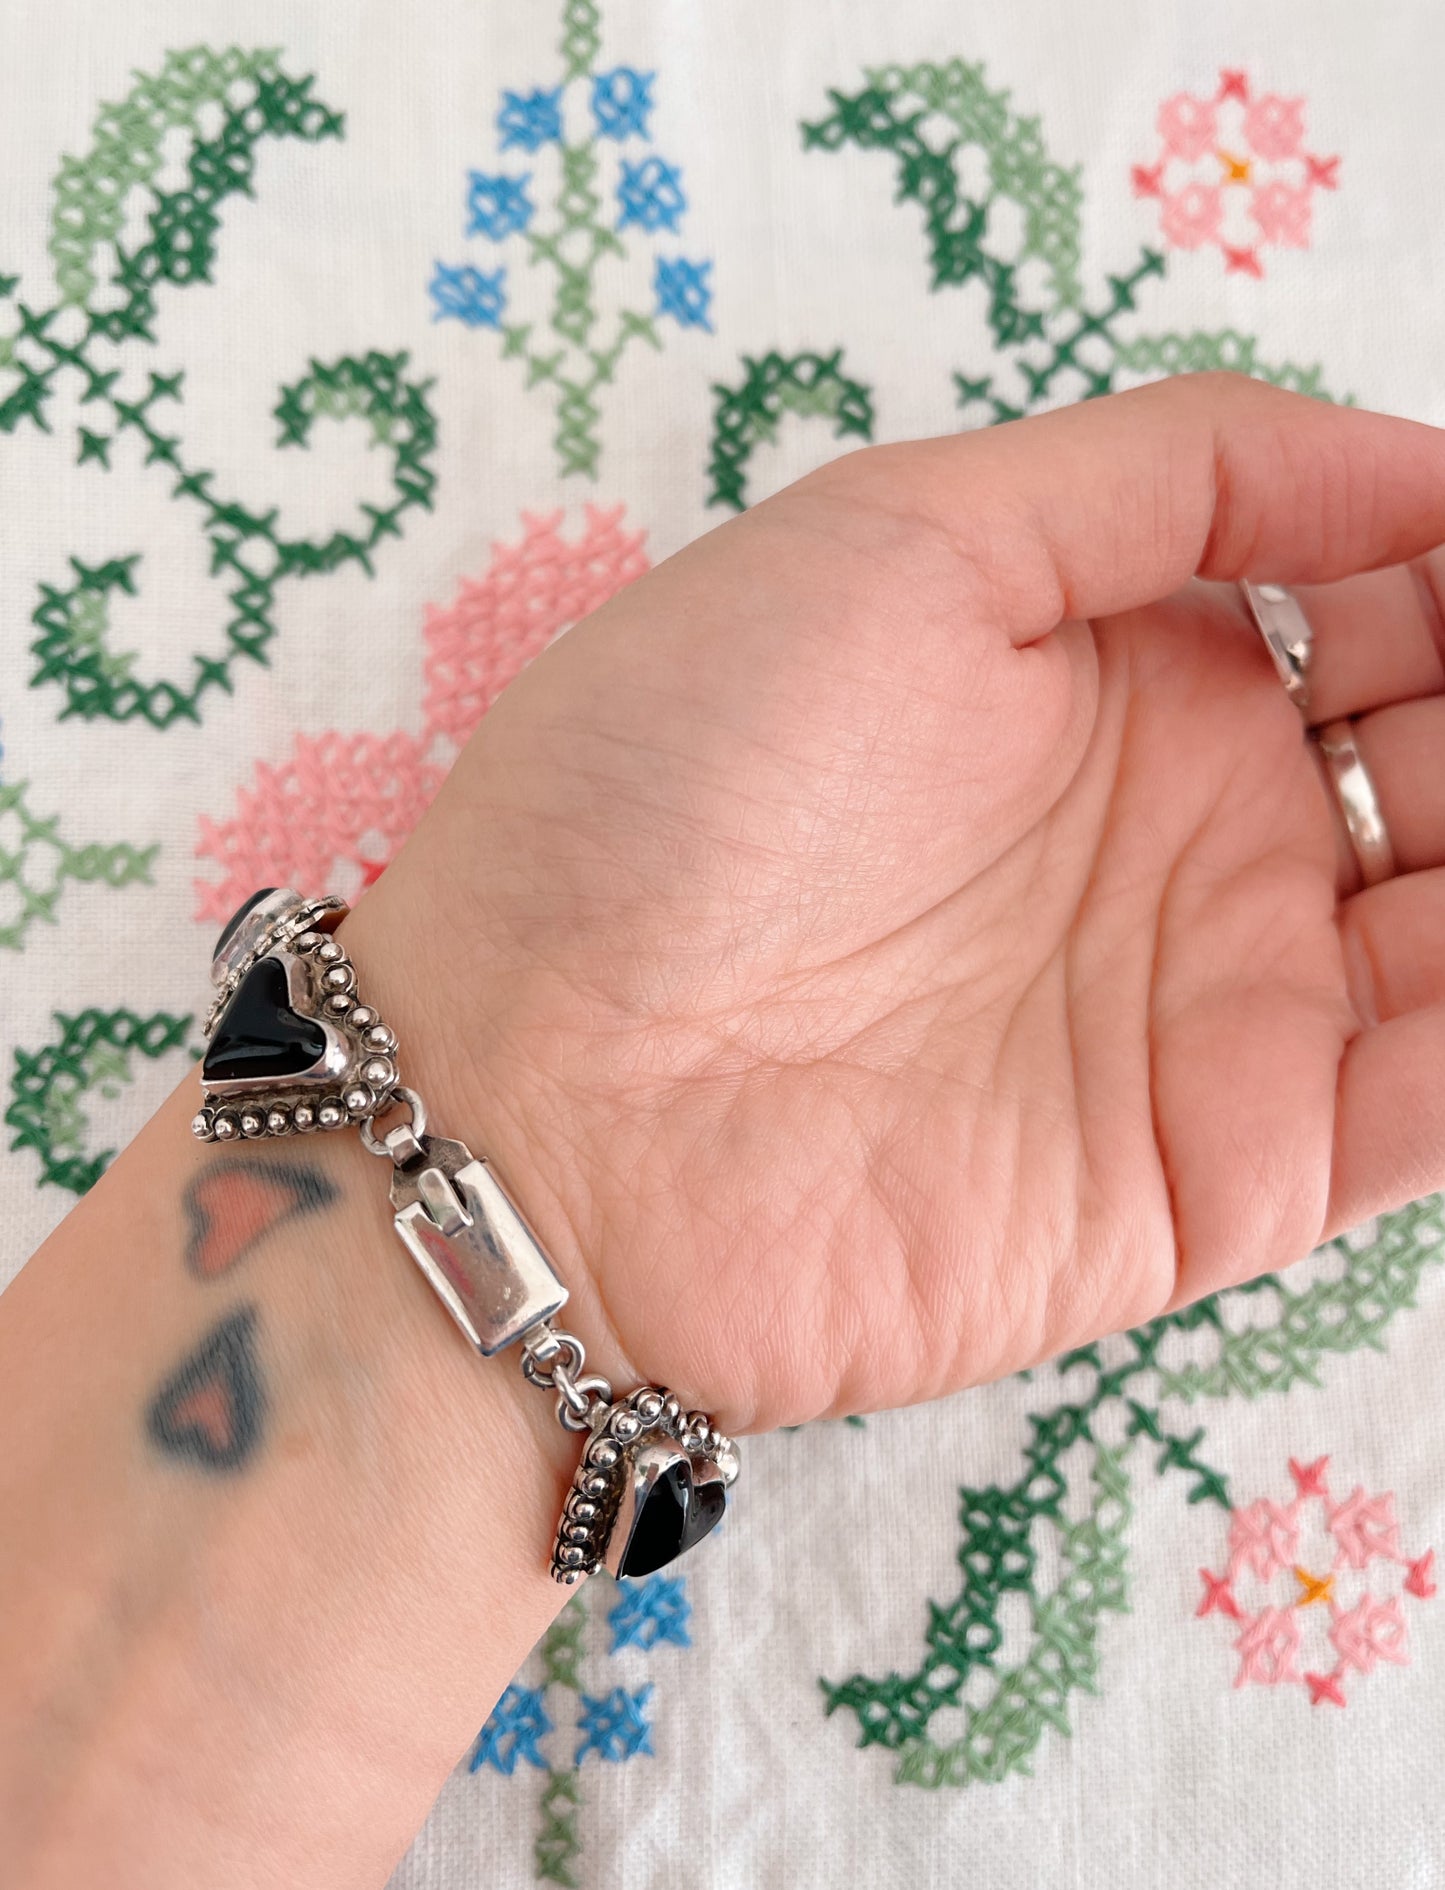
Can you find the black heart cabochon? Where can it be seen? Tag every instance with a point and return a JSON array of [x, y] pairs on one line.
[[258, 1037], [674, 1515]]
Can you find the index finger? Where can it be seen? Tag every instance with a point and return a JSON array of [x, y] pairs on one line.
[[1114, 503]]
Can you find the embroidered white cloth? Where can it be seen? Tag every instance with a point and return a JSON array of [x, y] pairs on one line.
[[343, 364]]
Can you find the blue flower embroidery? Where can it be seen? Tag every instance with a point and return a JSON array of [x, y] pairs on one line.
[[683, 291], [622, 102], [650, 195], [516, 1723], [616, 1726], [528, 120], [497, 205], [469, 295], [651, 1611]]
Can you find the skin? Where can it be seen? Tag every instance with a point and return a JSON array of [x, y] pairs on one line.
[[903, 936], [920, 948]]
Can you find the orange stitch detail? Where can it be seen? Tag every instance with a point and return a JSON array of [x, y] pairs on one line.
[[1313, 1588]]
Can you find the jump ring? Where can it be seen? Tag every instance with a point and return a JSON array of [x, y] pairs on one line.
[[373, 1143], [573, 1361], [1354, 790], [567, 1392], [594, 1393]]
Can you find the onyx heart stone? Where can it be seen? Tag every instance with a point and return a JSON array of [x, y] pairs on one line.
[[259, 1038], [672, 1515]]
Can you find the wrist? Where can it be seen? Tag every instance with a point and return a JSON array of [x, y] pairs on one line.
[[277, 1634], [484, 1046], [651, 1475]]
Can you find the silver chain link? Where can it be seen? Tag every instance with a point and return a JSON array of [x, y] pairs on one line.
[[554, 1361], [404, 1143]]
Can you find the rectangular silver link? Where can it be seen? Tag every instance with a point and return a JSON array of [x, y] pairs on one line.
[[471, 1241]]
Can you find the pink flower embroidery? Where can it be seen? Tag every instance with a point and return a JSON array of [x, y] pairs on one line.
[[1191, 217], [1372, 1630], [1282, 213], [1232, 173], [1364, 1527], [1274, 127], [1186, 126], [1263, 1538], [1315, 1626], [1267, 1648], [333, 813]]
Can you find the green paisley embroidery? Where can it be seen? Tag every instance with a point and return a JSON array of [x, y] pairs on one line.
[[1063, 1654], [775, 385], [93, 1056], [227, 103], [1265, 1337], [36, 862]]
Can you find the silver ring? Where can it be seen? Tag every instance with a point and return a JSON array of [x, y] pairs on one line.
[[1288, 636], [1350, 781]]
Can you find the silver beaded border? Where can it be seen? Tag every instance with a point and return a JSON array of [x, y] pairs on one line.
[[593, 1501], [372, 1078]]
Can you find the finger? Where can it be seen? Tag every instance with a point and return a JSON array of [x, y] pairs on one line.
[[1378, 638], [1114, 503], [1390, 936], [1389, 1119], [1401, 748]]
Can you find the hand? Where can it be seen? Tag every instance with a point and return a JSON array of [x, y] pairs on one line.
[[902, 937]]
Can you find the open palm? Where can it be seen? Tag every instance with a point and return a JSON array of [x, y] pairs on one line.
[[897, 945]]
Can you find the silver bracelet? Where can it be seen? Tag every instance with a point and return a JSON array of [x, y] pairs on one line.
[[290, 1050]]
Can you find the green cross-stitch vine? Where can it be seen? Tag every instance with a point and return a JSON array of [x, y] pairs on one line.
[[574, 246], [228, 102], [1132, 1377], [92, 1055], [773, 386], [557, 1845], [36, 862], [1055, 345]]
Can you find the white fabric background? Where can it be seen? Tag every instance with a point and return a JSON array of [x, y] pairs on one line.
[[840, 1536]]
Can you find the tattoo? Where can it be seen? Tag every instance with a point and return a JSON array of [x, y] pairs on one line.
[[212, 1409], [231, 1206]]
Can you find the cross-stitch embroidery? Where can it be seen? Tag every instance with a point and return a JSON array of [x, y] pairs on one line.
[[575, 211], [1328, 1580], [227, 102], [1127, 1385], [1231, 173]]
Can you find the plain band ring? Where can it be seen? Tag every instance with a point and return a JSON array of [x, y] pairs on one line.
[[1353, 788], [1288, 636]]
